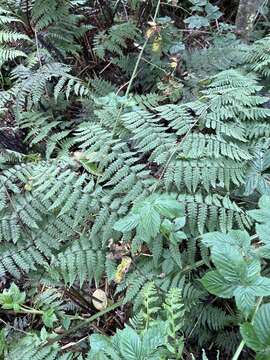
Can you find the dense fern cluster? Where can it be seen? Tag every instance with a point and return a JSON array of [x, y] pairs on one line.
[[139, 154]]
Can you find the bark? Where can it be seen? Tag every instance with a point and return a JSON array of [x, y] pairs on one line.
[[246, 15]]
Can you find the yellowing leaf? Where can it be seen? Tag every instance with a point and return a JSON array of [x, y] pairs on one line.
[[173, 64], [149, 32], [156, 46], [122, 269], [28, 186]]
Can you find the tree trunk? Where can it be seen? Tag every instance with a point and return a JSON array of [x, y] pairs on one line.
[[246, 15]]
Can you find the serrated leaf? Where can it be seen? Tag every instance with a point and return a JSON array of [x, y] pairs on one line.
[[196, 22], [250, 337], [130, 344], [261, 324], [235, 238], [150, 221], [49, 317], [179, 222], [229, 263], [245, 299], [153, 338], [217, 285], [127, 223], [169, 207]]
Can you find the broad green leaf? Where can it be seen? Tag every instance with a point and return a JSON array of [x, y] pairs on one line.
[[261, 286], [212, 11], [253, 270], [196, 22], [100, 345], [150, 220], [177, 237], [126, 224], [229, 262], [263, 232], [245, 299], [130, 344], [261, 215], [264, 251], [180, 222], [215, 238], [167, 225], [240, 239], [12, 298], [236, 238], [91, 167], [49, 318], [261, 324], [217, 285], [152, 338], [169, 207], [250, 337], [257, 334]]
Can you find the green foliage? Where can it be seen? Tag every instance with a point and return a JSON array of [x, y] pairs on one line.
[[12, 298], [257, 176], [262, 216], [256, 334], [135, 163], [258, 57], [127, 344], [115, 41], [146, 216], [237, 271], [207, 11], [9, 37], [154, 338]]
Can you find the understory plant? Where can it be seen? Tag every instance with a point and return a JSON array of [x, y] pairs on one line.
[[134, 182]]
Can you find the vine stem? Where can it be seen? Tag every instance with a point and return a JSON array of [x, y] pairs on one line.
[[242, 343], [85, 322], [134, 73]]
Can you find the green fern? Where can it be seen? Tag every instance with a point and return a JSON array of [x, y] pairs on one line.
[[258, 57], [11, 41], [115, 40]]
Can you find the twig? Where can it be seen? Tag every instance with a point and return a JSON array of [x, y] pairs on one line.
[[105, 67], [67, 346]]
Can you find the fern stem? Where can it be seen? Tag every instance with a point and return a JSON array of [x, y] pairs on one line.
[[242, 343]]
